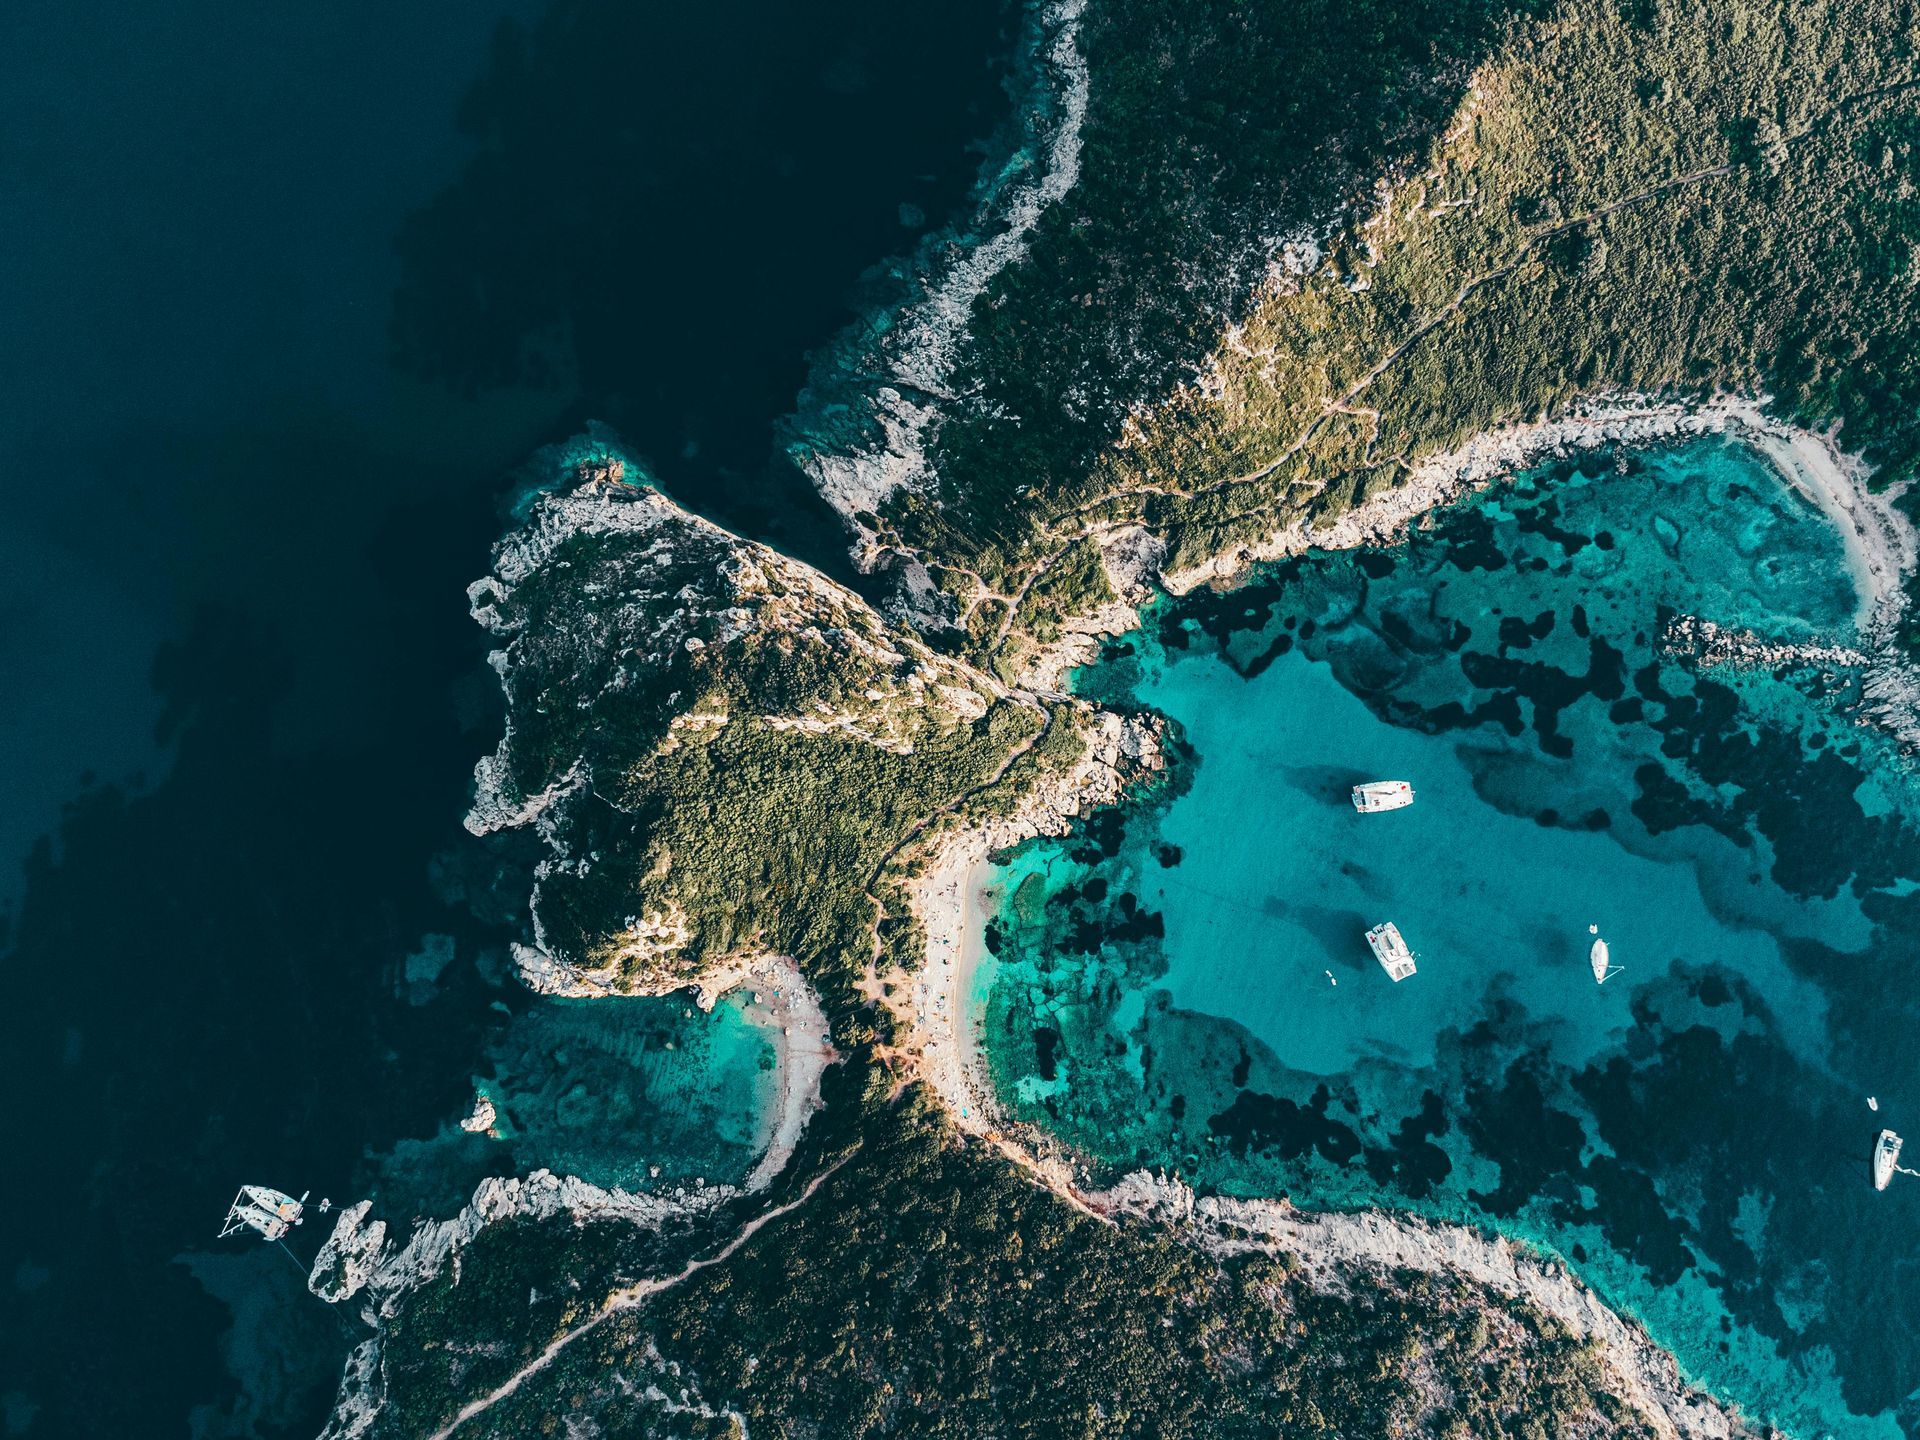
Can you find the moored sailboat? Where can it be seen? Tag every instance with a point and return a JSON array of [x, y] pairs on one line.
[[264, 1210], [1601, 958], [1886, 1155], [1377, 795]]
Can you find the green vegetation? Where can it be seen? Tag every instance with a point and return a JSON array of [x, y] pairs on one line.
[[1652, 196], [1660, 196], [928, 1290], [1213, 127], [769, 840], [1075, 584], [737, 747]]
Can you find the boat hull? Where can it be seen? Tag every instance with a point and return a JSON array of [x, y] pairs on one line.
[[1886, 1155], [1392, 951], [1378, 795]]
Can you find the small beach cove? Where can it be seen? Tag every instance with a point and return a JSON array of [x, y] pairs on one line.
[[689, 1097], [1183, 983]]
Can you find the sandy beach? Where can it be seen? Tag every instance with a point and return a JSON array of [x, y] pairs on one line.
[[784, 1005], [953, 905], [952, 899], [1881, 543], [1882, 548]]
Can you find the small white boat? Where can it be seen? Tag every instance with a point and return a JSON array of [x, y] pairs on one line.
[[1886, 1155], [252, 1217], [277, 1202], [1601, 958], [261, 1208], [1390, 948], [1377, 795]]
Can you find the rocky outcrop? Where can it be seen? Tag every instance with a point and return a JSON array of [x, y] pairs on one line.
[[357, 1259], [484, 1118], [1701, 642], [634, 634], [630, 623], [349, 1259], [363, 1390], [863, 421]]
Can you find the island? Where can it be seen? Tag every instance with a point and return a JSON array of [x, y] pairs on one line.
[[1244, 287]]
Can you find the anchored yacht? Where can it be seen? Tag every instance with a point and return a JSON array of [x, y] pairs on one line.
[[1390, 948], [1377, 795], [1601, 958], [269, 1212], [1886, 1155]]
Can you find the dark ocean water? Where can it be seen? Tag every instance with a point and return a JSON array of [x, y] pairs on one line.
[[289, 295]]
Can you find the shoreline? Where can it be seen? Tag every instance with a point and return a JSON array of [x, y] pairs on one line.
[[361, 1258], [783, 1005], [1882, 551], [1881, 542], [859, 425], [787, 1008], [936, 1034], [1333, 1245], [951, 901]]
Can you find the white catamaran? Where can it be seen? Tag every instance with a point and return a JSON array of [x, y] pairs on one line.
[[1377, 795], [1886, 1155], [269, 1212], [1601, 958], [1390, 948]]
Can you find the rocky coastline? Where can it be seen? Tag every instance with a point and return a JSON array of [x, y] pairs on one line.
[[1330, 1248], [861, 423], [1882, 545], [359, 1261]]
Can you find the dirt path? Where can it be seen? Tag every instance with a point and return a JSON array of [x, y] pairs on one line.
[[634, 1295], [1346, 403]]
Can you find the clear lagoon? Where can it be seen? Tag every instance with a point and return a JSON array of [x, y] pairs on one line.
[[635, 1093], [1185, 982]]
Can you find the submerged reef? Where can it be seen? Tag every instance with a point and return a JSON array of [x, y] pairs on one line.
[[1241, 281]]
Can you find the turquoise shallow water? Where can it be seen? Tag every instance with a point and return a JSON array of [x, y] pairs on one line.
[[638, 1093], [1185, 981]]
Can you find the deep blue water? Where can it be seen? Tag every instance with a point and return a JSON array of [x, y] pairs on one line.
[[290, 293], [1186, 983]]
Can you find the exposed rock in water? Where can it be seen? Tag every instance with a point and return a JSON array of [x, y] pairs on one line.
[[351, 1255], [484, 1116], [1701, 642]]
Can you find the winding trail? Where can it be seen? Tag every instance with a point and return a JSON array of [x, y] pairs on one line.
[[921, 825], [632, 1295], [1345, 403]]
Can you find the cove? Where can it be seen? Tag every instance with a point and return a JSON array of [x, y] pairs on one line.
[[1184, 981], [637, 1093]]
